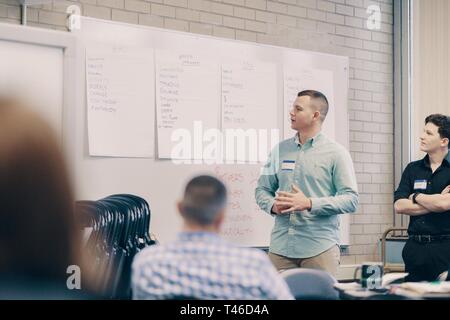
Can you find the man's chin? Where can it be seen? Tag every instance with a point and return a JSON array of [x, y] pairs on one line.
[[294, 127]]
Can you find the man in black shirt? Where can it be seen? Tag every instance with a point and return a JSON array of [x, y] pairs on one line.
[[423, 194]]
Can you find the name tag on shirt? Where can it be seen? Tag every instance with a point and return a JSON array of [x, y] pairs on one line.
[[288, 165], [420, 184]]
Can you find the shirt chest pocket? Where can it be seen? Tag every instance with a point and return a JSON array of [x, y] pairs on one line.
[[317, 166], [320, 170]]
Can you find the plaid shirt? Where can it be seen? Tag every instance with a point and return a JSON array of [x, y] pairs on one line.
[[202, 265]]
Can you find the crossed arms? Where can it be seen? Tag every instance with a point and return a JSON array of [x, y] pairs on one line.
[[426, 203]]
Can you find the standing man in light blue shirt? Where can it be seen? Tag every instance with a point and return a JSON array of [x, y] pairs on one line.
[[306, 183]]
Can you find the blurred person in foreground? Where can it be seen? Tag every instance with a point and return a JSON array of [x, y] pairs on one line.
[[38, 235], [200, 264]]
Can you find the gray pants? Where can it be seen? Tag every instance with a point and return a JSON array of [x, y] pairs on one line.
[[328, 260]]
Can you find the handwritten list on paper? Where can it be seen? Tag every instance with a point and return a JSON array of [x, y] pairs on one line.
[[120, 102], [245, 223], [308, 79], [249, 100], [249, 95], [187, 98]]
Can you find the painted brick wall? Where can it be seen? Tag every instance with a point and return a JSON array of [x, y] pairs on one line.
[[335, 26]]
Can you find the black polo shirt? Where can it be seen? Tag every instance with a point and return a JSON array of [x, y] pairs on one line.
[[418, 177]]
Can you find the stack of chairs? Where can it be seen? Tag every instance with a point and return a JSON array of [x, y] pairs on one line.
[[120, 226]]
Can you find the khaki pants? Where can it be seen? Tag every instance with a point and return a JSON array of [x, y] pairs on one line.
[[328, 261]]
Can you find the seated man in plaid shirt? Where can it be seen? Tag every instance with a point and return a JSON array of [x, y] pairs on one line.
[[201, 265]]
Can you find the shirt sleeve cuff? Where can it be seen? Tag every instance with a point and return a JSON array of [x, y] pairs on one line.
[[269, 208], [401, 196], [316, 205]]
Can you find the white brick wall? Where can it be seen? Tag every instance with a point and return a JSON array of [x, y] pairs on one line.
[[331, 26], [176, 24], [97, 12], [151, 20], [163, 10], [118, 4], [52, 18], [125, 16], [137, 6]]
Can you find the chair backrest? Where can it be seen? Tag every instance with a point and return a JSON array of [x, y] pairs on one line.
[[310, 284], [391, 246]]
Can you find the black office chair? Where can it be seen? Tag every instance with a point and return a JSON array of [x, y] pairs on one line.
[[120, 225]]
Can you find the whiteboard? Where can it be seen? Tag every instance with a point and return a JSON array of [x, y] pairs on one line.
[[161, 181]]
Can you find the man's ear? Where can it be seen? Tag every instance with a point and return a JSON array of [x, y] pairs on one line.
[[180, 207], [220, 218], [445, 141], [317, 115]]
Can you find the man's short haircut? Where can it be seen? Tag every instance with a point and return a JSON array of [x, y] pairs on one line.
[[204, 198], [321, 102], [442, 122]]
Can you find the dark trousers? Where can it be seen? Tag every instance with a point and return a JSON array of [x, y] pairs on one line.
[[426, 261]]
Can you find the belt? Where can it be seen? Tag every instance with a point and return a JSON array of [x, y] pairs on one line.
[[428, 238]]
